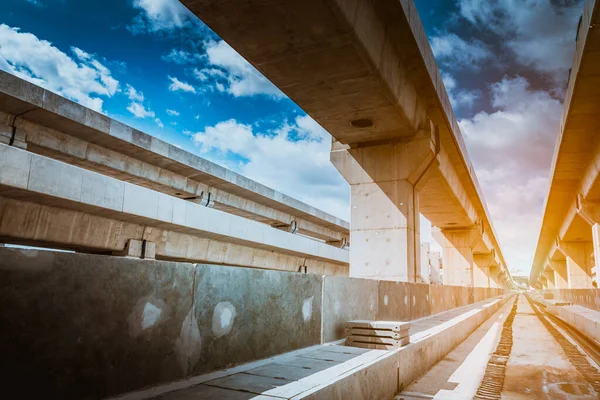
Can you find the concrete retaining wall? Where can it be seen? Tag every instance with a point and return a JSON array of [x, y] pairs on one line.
[[85, 326], [589, 298], [386, 300]]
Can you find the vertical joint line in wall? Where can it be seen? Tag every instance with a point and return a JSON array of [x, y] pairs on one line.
[[14, 127], [192, 312], [144, 241], [12, 135], [323, 277]]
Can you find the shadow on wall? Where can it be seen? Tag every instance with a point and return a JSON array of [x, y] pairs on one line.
[[83, 326]]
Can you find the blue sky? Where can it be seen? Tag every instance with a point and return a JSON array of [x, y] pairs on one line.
[[153, 65]]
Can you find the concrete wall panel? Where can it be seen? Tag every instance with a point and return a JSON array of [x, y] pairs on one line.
[[345, 299], [84, 326], [589, 298], [394, 301], [420, 305], [246, 314]]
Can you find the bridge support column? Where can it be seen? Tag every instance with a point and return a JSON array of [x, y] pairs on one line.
[[549, 274], [458, 255], [579, 265], [495, 273], [482, 270], [425, 264], [384, 182], [561, 278]]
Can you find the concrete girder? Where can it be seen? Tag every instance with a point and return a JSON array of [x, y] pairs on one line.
[[579, 263], [460, 266], [48, 182], [482, 270], [60, 146], [561, 277], [575, 167]]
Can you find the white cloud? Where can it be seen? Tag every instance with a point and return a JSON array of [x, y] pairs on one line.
[[236, 76], [180, 57], [452, 50], [160, 15], [293, 159], [133, 94], [459, 97], [139, 111], [83, 79], [173, 113], [511, 150], [541, 33], [159, 123], [177, 85]]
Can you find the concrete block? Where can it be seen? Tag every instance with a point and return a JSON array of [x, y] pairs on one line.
[[120, 131], [394, 301], [140, 201], [85, 326], [346, 299], [55, 178], [248, 314], [14, 167], [102, 191], [166, 205]]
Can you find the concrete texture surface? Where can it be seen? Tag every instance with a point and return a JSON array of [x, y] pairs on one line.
[[388, 300], [84, 327], [588, 298], [346, 299], [247, 314]]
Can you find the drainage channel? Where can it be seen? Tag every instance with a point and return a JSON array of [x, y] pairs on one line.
[[493, 380], [576, 357]]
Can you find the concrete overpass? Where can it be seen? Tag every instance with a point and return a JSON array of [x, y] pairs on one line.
[[365, 71], [569, 244]]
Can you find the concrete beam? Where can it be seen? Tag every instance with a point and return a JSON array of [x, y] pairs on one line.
[[458, 245], [579, 263], [43, 181], [575, 174], [561, 276]]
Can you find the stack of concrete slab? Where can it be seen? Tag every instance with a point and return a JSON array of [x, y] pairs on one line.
[[381, 335]]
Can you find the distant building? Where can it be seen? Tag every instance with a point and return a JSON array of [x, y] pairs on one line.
[[431, 266]]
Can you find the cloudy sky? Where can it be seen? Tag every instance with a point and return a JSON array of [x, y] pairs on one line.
[[153, 65]]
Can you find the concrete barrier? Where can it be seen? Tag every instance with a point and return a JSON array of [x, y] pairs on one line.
[[87, 326], [589, 298], [387, 375], [351, 298]]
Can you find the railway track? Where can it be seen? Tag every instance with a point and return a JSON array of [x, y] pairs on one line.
[[577, 355], [493, 381]]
